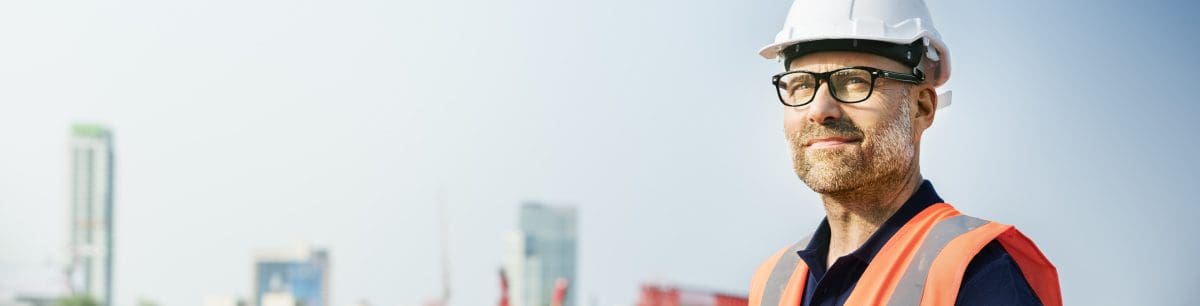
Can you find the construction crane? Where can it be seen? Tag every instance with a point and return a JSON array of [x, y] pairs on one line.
[[503, 288], [560, 292], [671, 295], [443, 251]]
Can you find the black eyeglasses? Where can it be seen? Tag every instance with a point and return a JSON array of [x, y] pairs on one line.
[[848, 85]]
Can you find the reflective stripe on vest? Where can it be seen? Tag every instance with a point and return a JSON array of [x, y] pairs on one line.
[[911, 286], [786, 271], [922, 264]]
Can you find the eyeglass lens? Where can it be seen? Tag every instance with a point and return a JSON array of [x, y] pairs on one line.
[[847, 85]]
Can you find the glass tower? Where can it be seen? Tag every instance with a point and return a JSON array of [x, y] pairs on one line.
[[300, 272], [542, 250], [90, 238]]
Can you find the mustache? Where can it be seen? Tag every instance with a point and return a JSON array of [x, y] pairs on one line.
[[843, 128]]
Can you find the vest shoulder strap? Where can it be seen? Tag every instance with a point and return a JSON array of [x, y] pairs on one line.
[[1041, 275], [780, 280], [927, 268], [885, 273]]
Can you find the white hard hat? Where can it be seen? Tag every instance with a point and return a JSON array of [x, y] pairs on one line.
[[900, 22]]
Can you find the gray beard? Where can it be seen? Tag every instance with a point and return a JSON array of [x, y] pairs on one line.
[[883, 156]]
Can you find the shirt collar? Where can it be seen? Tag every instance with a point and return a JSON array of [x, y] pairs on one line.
[[818, 247]]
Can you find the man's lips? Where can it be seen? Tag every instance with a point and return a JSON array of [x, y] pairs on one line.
[[829, 142]]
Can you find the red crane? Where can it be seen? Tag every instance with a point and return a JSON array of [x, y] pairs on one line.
[[669, 295], [503, 289], [560, 292]]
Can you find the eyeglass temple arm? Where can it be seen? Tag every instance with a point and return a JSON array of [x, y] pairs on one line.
[[911, 78]]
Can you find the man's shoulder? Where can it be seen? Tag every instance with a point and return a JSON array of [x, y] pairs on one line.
[[994, 278], [763, 273], [770, 262]]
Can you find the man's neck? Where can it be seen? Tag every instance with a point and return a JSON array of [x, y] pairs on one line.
[[855, 215]]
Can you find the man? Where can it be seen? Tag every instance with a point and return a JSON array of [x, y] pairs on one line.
[[859, 90]]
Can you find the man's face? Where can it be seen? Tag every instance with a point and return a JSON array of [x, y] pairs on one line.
[[840, 147]]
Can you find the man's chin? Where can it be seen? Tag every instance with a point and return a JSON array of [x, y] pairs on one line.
[[831, 176], [830, 171], [830, 183]]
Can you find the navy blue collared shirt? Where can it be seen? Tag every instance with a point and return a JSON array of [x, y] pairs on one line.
[[992, 277]]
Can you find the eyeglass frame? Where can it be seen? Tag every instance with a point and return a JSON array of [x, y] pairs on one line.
[[823, 78]]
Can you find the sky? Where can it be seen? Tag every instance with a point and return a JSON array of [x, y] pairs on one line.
[[250, 124]]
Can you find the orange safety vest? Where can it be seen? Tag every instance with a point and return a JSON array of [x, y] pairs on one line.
[[922, 264]]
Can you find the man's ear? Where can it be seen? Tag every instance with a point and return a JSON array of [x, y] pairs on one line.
[[926, 106]]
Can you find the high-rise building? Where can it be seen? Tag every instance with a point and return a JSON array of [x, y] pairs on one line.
[[542, 250], [300, 272], [223, 300], [90, 247]]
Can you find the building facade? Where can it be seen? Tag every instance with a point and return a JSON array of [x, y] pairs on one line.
[[300, 272], [542, 250], [90, 250]]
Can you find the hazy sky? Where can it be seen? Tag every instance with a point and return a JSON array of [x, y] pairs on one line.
[[256, 123]]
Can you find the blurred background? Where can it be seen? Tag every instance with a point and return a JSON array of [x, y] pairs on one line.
[[365, 152]]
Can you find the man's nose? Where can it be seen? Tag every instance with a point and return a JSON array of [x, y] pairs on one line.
[[824, 108]]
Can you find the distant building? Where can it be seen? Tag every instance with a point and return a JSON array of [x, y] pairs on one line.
[[32, 284], [280, 299], [667, 295], [90, 238], [223, 300], [299, 272], [29, 301], [542, 250]]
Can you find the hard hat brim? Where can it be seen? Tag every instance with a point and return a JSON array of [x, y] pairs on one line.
[[772, 51]]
